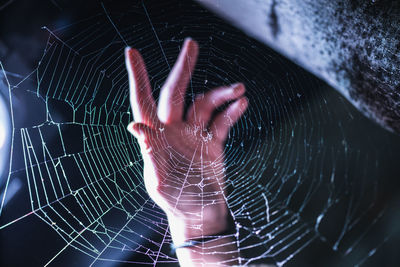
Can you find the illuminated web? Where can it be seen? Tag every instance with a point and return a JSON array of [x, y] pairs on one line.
[[294, 173]]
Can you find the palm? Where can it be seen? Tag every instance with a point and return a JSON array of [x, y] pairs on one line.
[[183, 159], [189, 166]]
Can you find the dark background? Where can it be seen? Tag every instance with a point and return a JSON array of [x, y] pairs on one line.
[[310, 132]]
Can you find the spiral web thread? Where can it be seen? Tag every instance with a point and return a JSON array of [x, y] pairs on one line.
[[84, 170]]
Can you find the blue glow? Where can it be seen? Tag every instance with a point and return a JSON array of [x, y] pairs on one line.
[[4, 133]]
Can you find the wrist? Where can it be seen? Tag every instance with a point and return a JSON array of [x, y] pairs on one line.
[[186, 229]]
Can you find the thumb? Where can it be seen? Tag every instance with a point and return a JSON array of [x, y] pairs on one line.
[[143, 133], [140, 130]]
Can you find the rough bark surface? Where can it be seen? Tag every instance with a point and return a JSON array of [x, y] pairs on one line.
[[354, 45]]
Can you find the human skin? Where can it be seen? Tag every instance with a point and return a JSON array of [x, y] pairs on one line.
[[184, 170]]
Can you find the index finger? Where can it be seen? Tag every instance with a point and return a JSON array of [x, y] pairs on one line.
[[142, 102]]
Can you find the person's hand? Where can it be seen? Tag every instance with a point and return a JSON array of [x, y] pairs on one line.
[[183, 158]]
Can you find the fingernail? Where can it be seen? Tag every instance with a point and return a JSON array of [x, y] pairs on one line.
[[138, 133], [130, 127], [192, 44], [243, 102], [128, 50], [238, 86]]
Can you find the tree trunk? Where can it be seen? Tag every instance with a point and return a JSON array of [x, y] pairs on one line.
[[354, 45]]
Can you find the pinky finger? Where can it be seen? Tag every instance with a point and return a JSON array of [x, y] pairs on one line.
[[226, 119]]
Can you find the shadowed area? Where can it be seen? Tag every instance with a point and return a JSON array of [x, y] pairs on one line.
[[310, 180], [352, 45]]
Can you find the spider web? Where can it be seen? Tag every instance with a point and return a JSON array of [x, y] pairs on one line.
[[296, 175]]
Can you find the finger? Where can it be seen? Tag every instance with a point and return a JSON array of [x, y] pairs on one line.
[[140, 130], [144, 134], [172, 95], [226, 119], [203, 107], [142, 102]]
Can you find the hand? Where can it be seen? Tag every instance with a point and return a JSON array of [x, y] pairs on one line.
[[184, 169]]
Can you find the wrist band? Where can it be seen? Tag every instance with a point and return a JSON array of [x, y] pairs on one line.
[[231, 230]]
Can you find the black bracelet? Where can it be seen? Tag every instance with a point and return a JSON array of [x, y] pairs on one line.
[[231, 230]]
